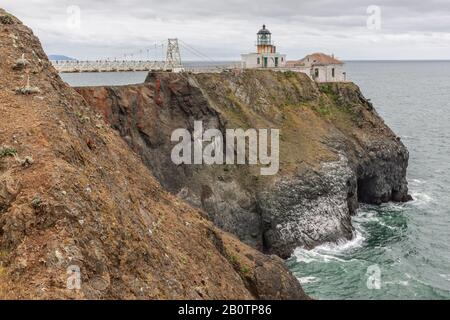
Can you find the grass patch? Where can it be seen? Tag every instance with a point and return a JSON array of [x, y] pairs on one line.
[[234, 259], [323, 108], [6, 19], [245, 269], [327, 88], [7, 152], [338, 101], [290, 74], [236, 263]]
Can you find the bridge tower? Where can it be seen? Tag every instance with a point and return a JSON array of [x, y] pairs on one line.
[[173, 56]]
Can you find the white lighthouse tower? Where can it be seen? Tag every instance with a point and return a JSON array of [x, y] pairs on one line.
[[266, 55]]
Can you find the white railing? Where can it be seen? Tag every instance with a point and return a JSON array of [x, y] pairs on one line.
[[106, 66], [70, 66]]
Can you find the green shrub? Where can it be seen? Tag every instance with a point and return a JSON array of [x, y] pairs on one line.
[[6, 19], [245, 269], [327, 88], [290, 74], [7, 152], [234, 259]]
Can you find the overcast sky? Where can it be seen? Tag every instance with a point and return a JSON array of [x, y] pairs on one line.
[[222, 30]]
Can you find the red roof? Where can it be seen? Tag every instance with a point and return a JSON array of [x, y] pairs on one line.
[[320, 59]]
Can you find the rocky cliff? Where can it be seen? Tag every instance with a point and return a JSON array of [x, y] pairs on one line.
[[335, 151], [82, 217]]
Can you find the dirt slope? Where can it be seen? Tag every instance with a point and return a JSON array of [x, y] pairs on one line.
[[72, 193]]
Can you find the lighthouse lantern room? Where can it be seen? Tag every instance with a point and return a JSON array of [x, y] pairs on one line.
[[266, 55]]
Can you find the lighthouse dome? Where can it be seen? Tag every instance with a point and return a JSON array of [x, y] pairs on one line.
[[264, 30]]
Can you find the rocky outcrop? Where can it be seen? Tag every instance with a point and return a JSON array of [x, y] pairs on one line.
[[310, 208], [334, 151], [82, 217]]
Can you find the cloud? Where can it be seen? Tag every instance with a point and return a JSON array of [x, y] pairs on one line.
[[224, 29]]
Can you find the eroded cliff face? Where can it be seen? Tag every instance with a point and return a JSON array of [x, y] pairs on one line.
[[73, 195], [334, 151]]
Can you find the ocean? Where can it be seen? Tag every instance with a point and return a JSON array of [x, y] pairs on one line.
[[400, 251], [405, 246]]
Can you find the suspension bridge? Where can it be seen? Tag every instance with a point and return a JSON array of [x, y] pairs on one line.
[[172, 61]]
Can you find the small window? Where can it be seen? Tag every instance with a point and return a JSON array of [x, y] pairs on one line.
[[316, 73], [258, 61], [332, 72]]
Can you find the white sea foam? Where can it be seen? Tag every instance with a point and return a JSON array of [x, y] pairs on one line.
[[329, 252], [308, 256], [393, 206], [416, 181], [421, 199], [366, 216], [387, 226], [305, 280], [372, 216], [343, 245]]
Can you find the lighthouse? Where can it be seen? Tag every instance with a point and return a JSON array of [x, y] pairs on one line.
[[266, 55], [264, 41]]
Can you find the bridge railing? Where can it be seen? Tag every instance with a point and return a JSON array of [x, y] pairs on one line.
[[129, 65], [106, 66]]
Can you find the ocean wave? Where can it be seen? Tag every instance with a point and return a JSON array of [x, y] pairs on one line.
[[393, 206], [366, 216], [381, 215], [308, 256], [342, 245], [420, 198], [416, 182], [329, 252], [305, 280], [387, 226]]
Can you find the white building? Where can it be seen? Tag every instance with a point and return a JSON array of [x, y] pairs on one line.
[[320, 67], [266, 55]]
